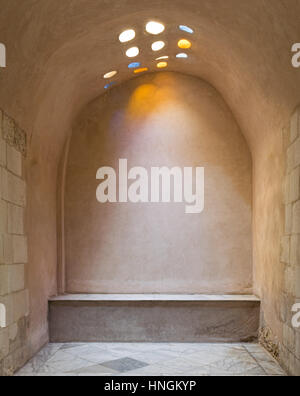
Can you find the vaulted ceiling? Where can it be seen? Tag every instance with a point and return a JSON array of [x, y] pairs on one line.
[[58, 51]]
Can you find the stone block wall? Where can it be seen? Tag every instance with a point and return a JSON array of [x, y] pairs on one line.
[[289, 349], [14, 299]]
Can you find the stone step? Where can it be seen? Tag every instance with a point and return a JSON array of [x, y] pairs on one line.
[[153, 318]]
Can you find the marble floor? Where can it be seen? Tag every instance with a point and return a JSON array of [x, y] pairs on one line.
[[167, 359]]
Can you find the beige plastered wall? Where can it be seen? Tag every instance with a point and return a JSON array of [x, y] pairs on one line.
[[159, 120]]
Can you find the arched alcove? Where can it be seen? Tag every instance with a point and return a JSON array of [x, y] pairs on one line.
[[160, 120], [57, 53]]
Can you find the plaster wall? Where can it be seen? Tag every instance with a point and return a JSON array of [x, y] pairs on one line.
[[170, 120]]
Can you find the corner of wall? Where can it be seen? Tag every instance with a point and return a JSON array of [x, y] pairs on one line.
[[61, 179]]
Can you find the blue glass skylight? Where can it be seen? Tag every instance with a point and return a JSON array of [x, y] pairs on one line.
[[183, 56], [134, 65], [186, 29]]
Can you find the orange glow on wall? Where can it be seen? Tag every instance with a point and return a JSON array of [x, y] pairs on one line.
[[146, 100], [150, 98]]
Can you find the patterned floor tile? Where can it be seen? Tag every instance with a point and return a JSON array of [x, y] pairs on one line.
[[125, 364], [234, 366], [158, 356], [254, 348], [93, 353], [95, 370], [63, 362], [35, 364], [156, 359], [268, 363], [71, 345]]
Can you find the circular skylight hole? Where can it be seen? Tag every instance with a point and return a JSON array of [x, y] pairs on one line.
[[141, 70], [110, 74], [134, 65], [182, 56], [132, 52], [158, 45], [162, 58], [127, 35], [184, 44], [155, 28], [186, 29], [162, 65]]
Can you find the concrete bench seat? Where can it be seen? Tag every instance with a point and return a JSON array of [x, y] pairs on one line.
[[153, 318]]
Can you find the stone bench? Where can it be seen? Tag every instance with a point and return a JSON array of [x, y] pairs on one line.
[[153, 318]]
